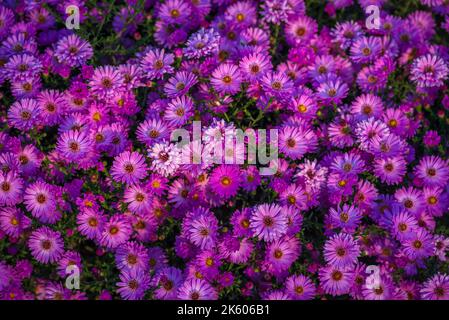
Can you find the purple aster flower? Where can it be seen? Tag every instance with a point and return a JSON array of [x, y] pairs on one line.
[[52, 106], [202, 44], [165, 158], [133, 284], [300, 287], [129, 167], [268, 222], [116, 231], [39, 198], [168, 281], [178, 111], [196, 289], [300, 31], [22, 66], [419, 245], [341, 251], [281, 253], [180, 84], [24, 114], [132, 255], [156, 63], [10, 189], [152, 130], [429, 71], [69, 259], [433, 171], [345, 217], [336, 281], [73, 51], [200, 227], [390, 170], [436, 288], [106, 81], [13, 222], [74, 145], [226, 79], [46, 245], [225, 180]]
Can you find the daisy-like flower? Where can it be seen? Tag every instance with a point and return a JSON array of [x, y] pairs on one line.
[[20, 67], [116, 231], [390, 170], [226, 78], [10, 189], [341, 251], [91, 223], [345, 217], [133, 284], [196, 289], [46, 245], [436, 288], [202, 43], [300, 30], [429, 71], [254, 66], [281, 253], [367, 106], [152, 130], [106, 81], [293, 195], [403, 224], [241, 14], [200, 227], [180, 84], [178, 111], [69, 259], [24, 114], [39, 199], [410, 198], [165, 158], [13, 222], [294, 142], [74, 145], [333, 91], [174, 11], [276, 84], [132, 255], [156, 63], [365, 49], [304, 106], [382, 291], [52, 106], [419, 245], [300, 287], [138, 198], [169, 280], [73, 51], [336, 281], [225, 180], [433, 171], [129, 167], [268, 222]]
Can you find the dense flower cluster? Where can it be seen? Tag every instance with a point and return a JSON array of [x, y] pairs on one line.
[[357, 206]]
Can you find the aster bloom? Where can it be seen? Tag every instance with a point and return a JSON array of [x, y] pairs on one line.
[[178, 111], [24, 114], [156, 63], [132, 255], [180, 84], [336, 281], [11, 188], [341, 251], [200, 227], [346, 217], [169, 280], [390, 170], [106, 81], [52, 106], [196, 289], [133, 284], [433, 171], [46, 245], [301, 30], [202, 43], [22, 66], [268, 222], [295, 142], [129, 167], [225, 180], [73, 51], [152, 130], [419, 245], [436, 288], [281, 253], [13, 222], [39, 199], [165, 158], [226, 79], [254, 66], [69, 259], [300, 287], [332, 91], [91, 223], [429, 71], [74, 145], [116, 231]]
